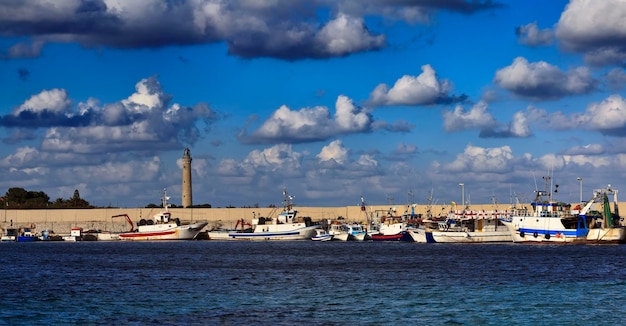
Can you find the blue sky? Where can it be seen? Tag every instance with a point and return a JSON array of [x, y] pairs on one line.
[[332, 100]]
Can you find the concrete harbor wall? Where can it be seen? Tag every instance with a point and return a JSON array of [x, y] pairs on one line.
[[62, 220]]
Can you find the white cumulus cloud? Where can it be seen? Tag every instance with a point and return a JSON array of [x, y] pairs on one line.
[[477, 117], [54, 100], [595, 28], [311, 124], [543, 81], [480, 159], [424, 89], [334, 151]]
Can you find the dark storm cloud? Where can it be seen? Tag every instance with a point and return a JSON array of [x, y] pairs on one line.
[[288, 30], [45, 118]]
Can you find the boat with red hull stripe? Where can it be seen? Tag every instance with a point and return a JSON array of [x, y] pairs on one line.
[[161, 227]]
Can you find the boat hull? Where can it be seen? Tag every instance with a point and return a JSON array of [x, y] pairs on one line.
[[274, 232], [402, 236], [358, 236], [107, 236], [163, 232], [27, 238], [543, 230], [421, 235], [471, 237], [219, 235], [607, 235], [341, 236], [322, 237]]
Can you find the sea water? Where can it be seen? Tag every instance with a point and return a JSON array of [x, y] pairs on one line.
[[306, 282]]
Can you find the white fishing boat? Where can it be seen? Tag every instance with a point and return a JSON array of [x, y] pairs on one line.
[[392, 228], [471, 226], [339, 231], [107, 236], [420, 234], [322, 235], [608, 226], [221, 233], [76, 234], [422, 231], [161, 226], [555, 222], [388, 228], [286, 226], [10, 235], [98, 235], [356, 232]]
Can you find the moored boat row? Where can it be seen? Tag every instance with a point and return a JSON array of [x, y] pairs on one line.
[[547, 221]]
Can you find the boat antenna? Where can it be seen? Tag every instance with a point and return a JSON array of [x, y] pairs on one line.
[[287, 200], [165, 198], [547, 192]]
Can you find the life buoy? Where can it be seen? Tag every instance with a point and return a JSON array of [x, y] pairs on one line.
[[521, 234], [535, 234], [548, 236]]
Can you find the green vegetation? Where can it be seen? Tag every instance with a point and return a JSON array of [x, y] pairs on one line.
[[19, 198]]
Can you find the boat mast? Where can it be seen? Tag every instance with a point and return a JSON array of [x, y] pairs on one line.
[[164, 200], [287, 201]]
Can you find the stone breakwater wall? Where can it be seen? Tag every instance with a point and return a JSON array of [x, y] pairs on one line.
[[62, 220]]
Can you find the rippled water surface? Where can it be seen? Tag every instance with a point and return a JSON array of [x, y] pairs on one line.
[[305, 282]]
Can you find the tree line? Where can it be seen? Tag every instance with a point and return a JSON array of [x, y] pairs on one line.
[[20, 198]]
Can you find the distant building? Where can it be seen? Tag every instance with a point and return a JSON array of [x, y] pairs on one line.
[[186, 189]]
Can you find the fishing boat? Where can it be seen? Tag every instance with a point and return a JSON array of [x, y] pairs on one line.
[[388, 228], [27, 235], [356, 232], [322, 235], [416, 229], [286, 226], [21, 234], [10, 235], [608, 226], [392, 228], [107, 236], [421, 232], [339, 231], [99, 235], [551, 221], [161, 226], [49, 235], [76, 234], [471, 226], [421, 235], [221, 233]]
